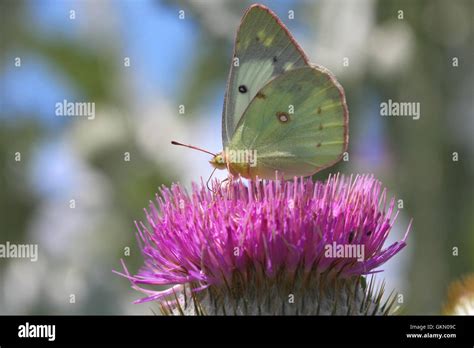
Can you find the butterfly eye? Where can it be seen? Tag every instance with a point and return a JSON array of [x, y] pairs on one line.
[[242, 89]]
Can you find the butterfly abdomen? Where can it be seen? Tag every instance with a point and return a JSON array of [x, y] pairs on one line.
[[242, 169]]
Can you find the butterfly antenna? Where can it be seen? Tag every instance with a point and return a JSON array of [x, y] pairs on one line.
[[208, 180], [193, 147]]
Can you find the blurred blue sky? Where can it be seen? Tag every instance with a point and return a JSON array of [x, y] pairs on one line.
[[152, 37]]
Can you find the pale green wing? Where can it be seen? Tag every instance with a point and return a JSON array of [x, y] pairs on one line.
[[263, 49], [297, 124]]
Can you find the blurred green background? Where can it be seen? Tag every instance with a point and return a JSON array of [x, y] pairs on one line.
[[78, 50]]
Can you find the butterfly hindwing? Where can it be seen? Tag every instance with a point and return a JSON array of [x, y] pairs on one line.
[[263, 50], [297, 124]]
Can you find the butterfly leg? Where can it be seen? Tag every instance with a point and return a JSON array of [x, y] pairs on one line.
[[208, 180]]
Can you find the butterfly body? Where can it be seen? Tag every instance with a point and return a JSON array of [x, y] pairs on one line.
[[281, 113]]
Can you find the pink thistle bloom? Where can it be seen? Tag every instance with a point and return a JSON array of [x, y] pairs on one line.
[[268, 228]]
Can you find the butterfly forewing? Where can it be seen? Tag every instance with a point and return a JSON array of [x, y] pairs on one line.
[[263, 50], [297, 124]]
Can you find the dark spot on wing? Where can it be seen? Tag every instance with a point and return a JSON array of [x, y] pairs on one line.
[[282, 117], [242, 89], [260, 95]]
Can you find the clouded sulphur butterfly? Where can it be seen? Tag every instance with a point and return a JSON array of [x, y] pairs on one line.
[[281, 113]]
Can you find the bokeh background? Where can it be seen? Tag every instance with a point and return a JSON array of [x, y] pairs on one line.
[[177, 62]]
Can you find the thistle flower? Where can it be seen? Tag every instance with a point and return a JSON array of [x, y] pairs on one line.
[[461, 297], [268, 247]]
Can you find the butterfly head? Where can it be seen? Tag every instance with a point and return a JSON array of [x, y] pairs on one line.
[[218, 161]]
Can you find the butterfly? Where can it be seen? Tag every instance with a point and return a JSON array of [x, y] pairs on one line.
[[281, 113]]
